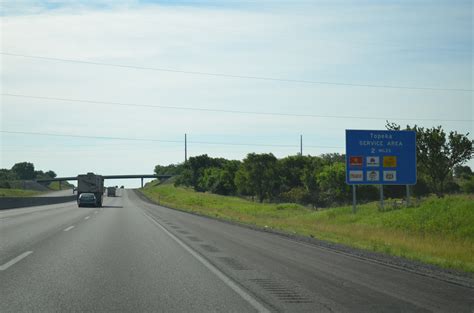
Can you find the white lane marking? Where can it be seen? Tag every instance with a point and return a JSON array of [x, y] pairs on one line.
[[15, 260], [253, 302], [69, 228], [95, 212], [87, 217]]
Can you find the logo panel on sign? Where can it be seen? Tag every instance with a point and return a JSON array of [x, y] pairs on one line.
[[389, 175], [356, 175], [355, 161], [373, 161], [389, 161], [373, 176]]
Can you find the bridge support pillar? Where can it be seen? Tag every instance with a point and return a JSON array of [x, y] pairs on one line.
[[142, 182], [59, 185]]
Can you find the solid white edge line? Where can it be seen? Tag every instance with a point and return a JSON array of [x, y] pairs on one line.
[[251, 300], [15, 260], [69, 228]]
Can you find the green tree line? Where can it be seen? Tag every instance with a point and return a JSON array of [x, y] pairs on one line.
[[320, 181], [22, 171]]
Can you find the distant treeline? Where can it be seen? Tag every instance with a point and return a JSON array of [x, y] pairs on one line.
[[320, 180], [22, 171]]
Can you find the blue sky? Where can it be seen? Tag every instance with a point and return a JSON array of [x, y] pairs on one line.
[[396, 43]]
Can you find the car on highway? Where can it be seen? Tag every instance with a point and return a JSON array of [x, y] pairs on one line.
[[86, 199]]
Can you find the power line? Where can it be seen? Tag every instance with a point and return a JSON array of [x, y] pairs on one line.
[[234, 111], [88, 137], [160, 140], [236, 76]]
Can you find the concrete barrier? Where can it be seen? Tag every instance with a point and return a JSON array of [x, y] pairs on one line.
[[20, 202]]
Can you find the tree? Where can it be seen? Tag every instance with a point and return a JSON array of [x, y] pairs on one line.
[[290, 171], [332, 183], [463, 172], [438, 154], [24, 170], [51, 174], [258, 176], [309, 178], [330, 158], [194, 170], [220, 180], [172, 169], [6, 177], [468, 186]]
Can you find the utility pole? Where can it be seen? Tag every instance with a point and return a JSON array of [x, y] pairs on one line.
[[301, 145], [185, 148]]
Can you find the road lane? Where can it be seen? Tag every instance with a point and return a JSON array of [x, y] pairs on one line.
[[22, 228], [116, 261]]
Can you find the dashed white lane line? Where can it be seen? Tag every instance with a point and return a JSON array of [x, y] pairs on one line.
[[87, 217], [251, 300], [69, 228], [15, 260]]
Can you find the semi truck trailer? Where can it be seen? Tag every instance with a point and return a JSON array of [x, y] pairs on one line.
[[111, 191], [91, 183]]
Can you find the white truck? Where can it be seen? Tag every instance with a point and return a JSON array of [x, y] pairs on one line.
[[91, 183]]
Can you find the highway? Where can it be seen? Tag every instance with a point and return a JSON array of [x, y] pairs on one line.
[[133, 256]]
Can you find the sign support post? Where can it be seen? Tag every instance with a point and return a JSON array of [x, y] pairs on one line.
[[381, 197], [408, 195], [354, 200]]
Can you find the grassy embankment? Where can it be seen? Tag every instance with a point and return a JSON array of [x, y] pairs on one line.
[[64, 185], [18, 193], [438, 231]]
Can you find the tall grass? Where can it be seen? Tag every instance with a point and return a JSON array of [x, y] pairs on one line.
[[55, 185], [438, 231], [4, 192]]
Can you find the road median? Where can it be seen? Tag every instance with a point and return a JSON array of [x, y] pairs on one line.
[[20, 202]]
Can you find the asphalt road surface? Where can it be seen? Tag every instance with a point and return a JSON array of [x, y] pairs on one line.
[[132, 256]]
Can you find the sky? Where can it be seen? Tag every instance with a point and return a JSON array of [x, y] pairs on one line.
[[314, 68]]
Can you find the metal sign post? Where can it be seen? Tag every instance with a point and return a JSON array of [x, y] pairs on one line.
[[381, 198], [354, 200], [408, 196]]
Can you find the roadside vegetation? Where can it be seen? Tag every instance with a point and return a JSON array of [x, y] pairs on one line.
[[7, 192], [319, 181], [22, 175], [308, 195], [64, 185], [436, 230]]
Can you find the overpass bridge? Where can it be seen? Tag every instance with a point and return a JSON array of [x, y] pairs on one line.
[[141, 176]]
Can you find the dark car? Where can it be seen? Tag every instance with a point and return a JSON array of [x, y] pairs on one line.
[[86, 199]]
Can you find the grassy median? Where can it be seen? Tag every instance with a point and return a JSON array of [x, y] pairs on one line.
[[436, 231], [5, 192]]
